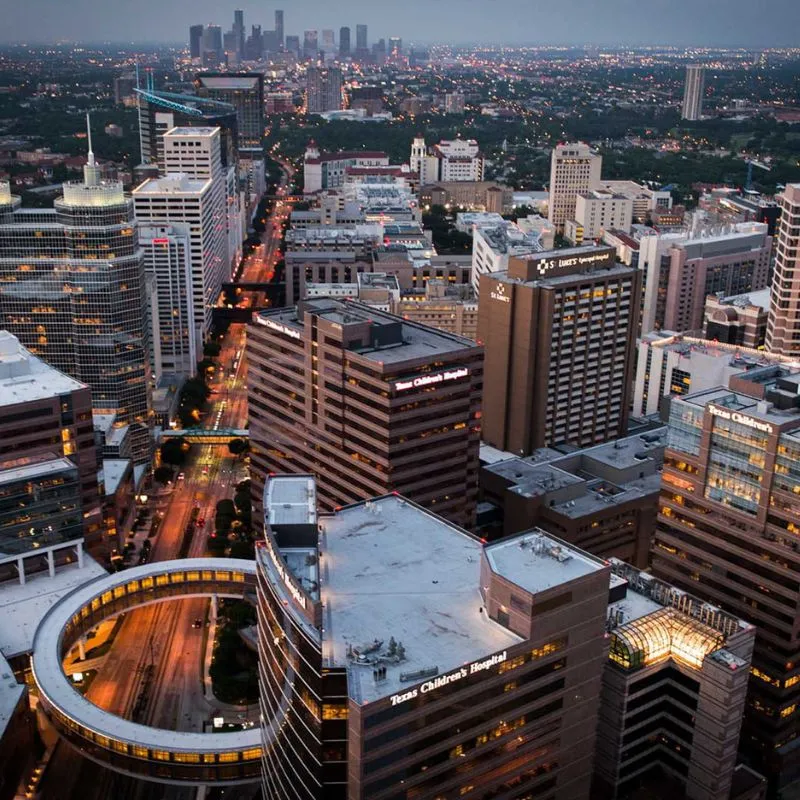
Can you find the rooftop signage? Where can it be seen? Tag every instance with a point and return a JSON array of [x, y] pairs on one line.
[[449, 677], [429, 380], [280, 328], [562, 262], [277, 563], [741, 419]]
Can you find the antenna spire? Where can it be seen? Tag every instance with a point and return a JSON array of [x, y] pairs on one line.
[[91, 172], [91, 160]]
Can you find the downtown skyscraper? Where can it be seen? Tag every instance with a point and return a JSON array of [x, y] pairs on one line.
[[692, 108], [72, 290]]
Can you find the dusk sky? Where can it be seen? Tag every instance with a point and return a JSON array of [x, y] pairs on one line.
[[679, 22]]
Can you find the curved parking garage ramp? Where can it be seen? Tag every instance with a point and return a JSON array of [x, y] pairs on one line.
[[150, 753]]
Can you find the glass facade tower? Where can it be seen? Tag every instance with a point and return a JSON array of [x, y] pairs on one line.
[[72, 289]]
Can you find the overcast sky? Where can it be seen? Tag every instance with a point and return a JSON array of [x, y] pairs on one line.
[[748, 23]]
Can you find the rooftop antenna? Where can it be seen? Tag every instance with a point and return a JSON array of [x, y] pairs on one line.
[[91, 172], [91, 160]]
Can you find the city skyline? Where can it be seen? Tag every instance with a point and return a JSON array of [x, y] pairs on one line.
[[736, 23]]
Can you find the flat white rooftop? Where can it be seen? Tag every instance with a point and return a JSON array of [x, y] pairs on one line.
[[177, 183], [113, 472], [24, 377], [291, 500], [37, 469], [536, 562], [391, 569], [22, 607]]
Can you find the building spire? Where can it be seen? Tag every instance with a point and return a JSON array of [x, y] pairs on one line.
[[91, 172], [91, 160]]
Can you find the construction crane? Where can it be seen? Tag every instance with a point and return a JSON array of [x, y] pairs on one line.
[[751, 162]]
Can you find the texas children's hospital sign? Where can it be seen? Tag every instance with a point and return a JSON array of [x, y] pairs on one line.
[[449, 677], [431, 380]]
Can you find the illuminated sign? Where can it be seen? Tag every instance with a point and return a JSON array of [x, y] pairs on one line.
[[160, 241], [299, 597], [450, 677], [549, 264], [429, 380], [741, 419], [500, 294], [276, 326]]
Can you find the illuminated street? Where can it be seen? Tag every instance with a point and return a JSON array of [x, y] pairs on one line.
[[155, 667]]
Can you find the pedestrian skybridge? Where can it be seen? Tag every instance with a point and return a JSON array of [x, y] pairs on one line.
[[206, 435], [150, 753]]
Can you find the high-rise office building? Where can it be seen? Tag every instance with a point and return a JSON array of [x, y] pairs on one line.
[[310, 45], [254, 46], [559, 329], [783, 324], [388, 405], [159, 112], [680, 270], [168, 264], [279, 27], [323, 89], [238, 31], [426, 664], [191, 194], [362, 44], [196, 41], [48, 464], [692, 108], [574, 170], [395, 52], [344, 42], [328, 44], [293, 45], [212, 46], [727, 532], [245, 92], [72, 289]]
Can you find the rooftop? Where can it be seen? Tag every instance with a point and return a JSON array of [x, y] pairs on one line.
[[736, 401], [191, 133], [113, 472], [408, 341], [535, 562], [393, 570], [653, 621], [580, 482], [35, 470], [229, 81], [290, 500], [174, 183], [25, 378], [22, 606], [509, 238], [758, 298]]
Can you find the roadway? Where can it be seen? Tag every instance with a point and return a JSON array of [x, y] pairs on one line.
[[259, 266], [153, 671]]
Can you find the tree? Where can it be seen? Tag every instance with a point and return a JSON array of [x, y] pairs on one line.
[[163, 475], [237, 446], [212, 349], [225, 515], [174, 451]]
